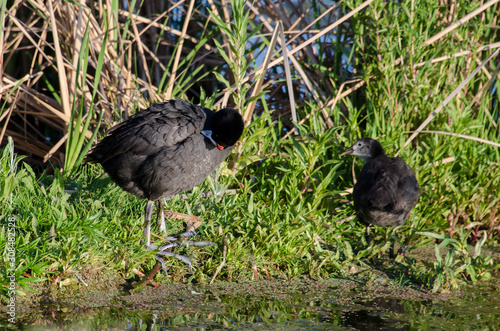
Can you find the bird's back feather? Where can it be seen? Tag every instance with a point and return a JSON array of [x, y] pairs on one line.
[[386, 191], [162, 124], [160, 151]]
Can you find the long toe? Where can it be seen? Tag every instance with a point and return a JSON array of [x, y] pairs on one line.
[[186, 243], [162, 262], [171, 238], [200, 243], [183, 258], [150, 247], [184, 235], [188, 234], [166, 247]]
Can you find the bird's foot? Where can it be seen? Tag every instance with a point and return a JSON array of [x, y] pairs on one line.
[[188, 234], [150, 247], [164, 251], [180, 237], [162, 262], [176, 241], [160, 256], [183, 243], [186, 243]]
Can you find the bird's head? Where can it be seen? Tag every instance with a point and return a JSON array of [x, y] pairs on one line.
[[226, 129], [365, 148]]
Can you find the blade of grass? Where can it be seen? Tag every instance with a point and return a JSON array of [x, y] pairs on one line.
[[321, 33], [2, 28], [458, 54], [9, 113], [77, 152], [288, 75], [140, 49], [460, 22], [464, 136], [61, 71], [260, 79], [449, 98], [173, 74]]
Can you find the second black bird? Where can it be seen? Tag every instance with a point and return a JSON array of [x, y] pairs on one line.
[[386, 190]]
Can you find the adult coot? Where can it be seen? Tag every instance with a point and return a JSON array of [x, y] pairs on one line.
[[166, 149], [386, 190]]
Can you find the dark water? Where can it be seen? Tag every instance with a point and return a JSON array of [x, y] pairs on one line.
[[478, 309]]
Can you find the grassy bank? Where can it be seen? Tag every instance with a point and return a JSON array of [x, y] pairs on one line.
[[287, 216], [399, 68]]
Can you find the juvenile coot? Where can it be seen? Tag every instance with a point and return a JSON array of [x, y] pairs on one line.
[[166, 149], [386, 190]]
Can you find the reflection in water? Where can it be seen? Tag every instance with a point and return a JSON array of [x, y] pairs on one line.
[[293, 311]]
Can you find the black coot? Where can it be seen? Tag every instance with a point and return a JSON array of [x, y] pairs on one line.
[[166, 149], [386, 190]]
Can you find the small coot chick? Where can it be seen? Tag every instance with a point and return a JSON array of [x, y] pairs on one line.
[[165, 150], [386, 190]]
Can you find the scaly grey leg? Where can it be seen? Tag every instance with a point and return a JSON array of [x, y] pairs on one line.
[[368, 235], [162, 262], [162, 252], [183, 258], [186, 243], [148, 212], [175, 242], [161, 217]]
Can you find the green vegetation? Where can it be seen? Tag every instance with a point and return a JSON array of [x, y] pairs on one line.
[[393, 72]]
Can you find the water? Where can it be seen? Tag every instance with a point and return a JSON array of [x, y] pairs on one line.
[[274, 306]]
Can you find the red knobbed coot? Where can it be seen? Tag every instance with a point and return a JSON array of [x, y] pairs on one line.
[[386, 190], [165, 150]]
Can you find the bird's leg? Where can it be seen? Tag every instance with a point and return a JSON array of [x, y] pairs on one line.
[[148, 212], [391, 252], [162, 262], [368, 235], [161, 254], [180, 241], [161, 217], [403, 242]]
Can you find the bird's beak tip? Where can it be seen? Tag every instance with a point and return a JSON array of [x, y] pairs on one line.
[[347, 152]]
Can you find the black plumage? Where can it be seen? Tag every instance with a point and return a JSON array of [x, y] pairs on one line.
[[386, 190], [167, 149]]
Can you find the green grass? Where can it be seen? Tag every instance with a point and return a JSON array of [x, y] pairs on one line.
[[278, 213], [289, 213]]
